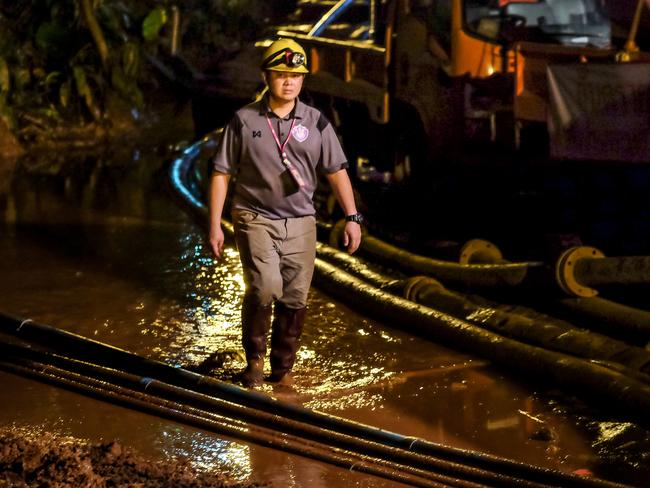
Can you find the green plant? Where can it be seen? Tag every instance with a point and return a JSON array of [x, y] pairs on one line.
[[153, 24]]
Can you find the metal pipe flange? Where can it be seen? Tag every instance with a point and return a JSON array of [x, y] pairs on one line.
[[565, 270], [480, 251]]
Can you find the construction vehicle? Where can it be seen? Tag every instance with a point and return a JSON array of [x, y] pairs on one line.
[[413, 82]]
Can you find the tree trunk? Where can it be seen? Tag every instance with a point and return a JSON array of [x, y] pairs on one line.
[[95, 30]]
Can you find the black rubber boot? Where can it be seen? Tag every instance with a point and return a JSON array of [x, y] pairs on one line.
[[253, 375], [256, 321], [285, 337]]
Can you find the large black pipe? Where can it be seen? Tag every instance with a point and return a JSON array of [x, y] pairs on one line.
[[112, 357], [628, 270], [362, 269], [406, 460], [534, 328], [454, 274], [226, 426], [592, 272], [518, 323], [595, 313], [515, 322], [576, 374], [611, 316]]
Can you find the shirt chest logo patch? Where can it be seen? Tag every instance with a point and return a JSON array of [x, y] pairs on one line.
[[300, 133]]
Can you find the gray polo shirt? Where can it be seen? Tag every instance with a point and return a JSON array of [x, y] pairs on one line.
[[249, 152]]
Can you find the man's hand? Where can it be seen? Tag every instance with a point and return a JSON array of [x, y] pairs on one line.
[[218, 190], [340, 182], [352, 236], [216, 240]]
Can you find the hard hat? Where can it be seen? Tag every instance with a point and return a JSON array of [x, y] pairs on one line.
[[285, 55]]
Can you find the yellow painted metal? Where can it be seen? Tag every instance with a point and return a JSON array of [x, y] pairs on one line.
[[480, 251], [274, 57], [304, 39], [355, 70], [565, 270], [360, 70], [631, 51]]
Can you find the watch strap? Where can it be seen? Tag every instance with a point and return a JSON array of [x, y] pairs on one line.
[[357, 217]]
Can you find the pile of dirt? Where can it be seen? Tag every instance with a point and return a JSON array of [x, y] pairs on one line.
[[28, 460]]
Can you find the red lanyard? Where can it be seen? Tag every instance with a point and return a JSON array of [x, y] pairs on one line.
[[283, 155], [281, 145]]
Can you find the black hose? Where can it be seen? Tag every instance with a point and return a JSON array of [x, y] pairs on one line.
[[416, 464], [457, 275], [515, 322], [215, 423], [626, 270], [561, 369], [112, 357], [609, 315]]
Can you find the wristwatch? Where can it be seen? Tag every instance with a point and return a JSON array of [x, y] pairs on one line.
[[357, 217]]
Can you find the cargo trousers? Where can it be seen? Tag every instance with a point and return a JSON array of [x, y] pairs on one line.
[[277, 257]]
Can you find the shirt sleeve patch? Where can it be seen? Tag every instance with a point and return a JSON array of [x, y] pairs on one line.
[[322, 122]]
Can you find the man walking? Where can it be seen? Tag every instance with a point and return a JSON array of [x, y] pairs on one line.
[[275, 148]]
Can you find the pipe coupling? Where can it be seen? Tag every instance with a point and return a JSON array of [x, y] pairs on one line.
[[565, 270], [480, 251], [416, 284]]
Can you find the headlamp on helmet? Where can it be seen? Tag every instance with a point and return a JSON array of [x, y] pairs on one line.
[[289, 58], [294, 59], [285, 55]]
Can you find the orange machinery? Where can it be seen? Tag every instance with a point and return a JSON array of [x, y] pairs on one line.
[[433, 73]]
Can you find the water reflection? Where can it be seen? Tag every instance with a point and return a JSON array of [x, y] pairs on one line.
[[103, 253], [205, 452]]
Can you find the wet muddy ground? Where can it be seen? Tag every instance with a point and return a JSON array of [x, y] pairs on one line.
[[100, 249], [28, 458]]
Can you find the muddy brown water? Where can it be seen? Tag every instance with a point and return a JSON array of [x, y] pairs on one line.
[[100, 249]]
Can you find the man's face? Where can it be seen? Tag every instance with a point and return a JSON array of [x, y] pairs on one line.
[[284, 86]]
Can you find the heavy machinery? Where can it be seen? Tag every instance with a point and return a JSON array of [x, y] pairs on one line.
[[410, 83]]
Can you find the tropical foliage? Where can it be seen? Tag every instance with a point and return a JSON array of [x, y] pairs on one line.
[[51, 66], [61, 61]]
